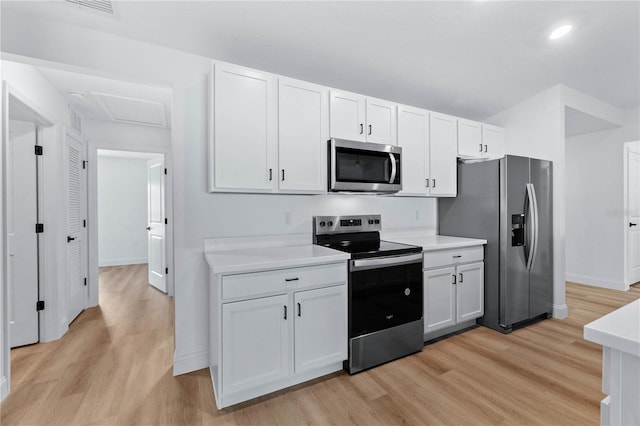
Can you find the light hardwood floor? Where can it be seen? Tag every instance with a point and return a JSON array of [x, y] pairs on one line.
[[114, 367]]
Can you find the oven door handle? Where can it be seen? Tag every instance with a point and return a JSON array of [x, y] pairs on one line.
[[394, 168], [382, 262]]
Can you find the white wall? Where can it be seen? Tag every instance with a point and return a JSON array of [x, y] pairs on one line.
[[595, 205], [122, 211], [535, 128]]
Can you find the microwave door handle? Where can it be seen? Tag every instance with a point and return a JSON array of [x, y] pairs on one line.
[[393, 167]]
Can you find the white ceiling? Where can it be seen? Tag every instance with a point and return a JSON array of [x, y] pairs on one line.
[[137, 103], [468, 58]]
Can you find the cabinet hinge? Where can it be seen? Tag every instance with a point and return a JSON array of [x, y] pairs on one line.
[[39, 228], [39, 150], [84, 164], [40, 305]]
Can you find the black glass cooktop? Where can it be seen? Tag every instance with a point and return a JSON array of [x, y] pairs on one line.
[[371, 248]]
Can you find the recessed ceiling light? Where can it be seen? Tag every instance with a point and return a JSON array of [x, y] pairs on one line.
[[75, 96], [559, 32]]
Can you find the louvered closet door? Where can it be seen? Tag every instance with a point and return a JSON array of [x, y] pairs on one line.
[[75, 205]]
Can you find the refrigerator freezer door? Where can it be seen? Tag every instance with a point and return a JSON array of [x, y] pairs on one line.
[[514, 288], [541, 274]]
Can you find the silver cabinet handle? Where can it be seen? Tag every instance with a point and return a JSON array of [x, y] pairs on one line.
[[480, 147], [434, 183], [361, 128], [485, 148], [454, 279], [285, 311], [299, 310], [461, 277], [428, 183], [270, 175], [369, 128], [291, 279], [283, 175]]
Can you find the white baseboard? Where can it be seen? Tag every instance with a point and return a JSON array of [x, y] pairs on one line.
[[121, 262], [560, 311], [190, 362], [596, 281], [4, 388]]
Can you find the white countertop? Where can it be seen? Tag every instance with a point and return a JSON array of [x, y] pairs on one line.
[[266, 258], [619, 329], [436, 242]]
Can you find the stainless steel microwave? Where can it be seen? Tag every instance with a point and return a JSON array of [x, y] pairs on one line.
[[364, 167]]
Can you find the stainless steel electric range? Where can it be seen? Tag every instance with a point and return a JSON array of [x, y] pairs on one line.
[[385, 289]]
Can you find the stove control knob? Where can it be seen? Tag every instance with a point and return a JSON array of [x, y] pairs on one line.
[[377, 221], [330, 223], [370, 221], [322, 223]]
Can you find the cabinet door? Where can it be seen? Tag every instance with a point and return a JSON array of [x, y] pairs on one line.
[[303, 124], [470, 295], [439, 299], [244, 129], [255, 342], [381, 121], [320, 327], [347, 115], [470, 139], [493, 139], [443, 155], [413, 138]]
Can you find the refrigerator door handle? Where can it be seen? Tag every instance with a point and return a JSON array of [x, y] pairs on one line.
[[532, 205]]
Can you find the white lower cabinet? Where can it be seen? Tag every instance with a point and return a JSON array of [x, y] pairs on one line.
[[453, 289], [275, 329]]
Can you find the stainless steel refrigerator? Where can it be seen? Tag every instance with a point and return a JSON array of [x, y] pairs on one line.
[[508, 202]]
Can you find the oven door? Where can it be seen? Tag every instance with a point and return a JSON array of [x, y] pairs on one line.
[[384, 292], [364, 167]]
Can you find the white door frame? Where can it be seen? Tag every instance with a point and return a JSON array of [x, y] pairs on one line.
[[93, 148], [625, 215], [47, 132]]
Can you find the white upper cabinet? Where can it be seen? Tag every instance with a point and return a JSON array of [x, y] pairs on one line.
[[413, 138], [381, 121], [493, 141], [244, 130], [303, 131], [479, 141], [347, 116], [470, 139], [356, 117], [442, 154]]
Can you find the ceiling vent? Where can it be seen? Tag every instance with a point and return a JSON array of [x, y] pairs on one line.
[[103, 7]]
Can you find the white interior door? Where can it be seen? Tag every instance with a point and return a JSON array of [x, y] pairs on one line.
[[156, 227], [22, 243], [633, 207], [76, 205]]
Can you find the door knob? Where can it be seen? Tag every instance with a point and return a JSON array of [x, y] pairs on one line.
[[148, 228], [632, 224], [69, 239]]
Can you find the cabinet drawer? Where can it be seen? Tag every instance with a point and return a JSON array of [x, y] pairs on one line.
[[453, 256], [256, 283]]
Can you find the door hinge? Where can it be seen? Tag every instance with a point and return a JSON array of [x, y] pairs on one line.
[[85, 282], [39, 150], [84, 223], [39, 228], [40, 305], [166, 222], [166, 270], [84, 164], [165, 171]]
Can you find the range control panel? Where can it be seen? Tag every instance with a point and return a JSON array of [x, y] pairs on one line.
[[341, 224]]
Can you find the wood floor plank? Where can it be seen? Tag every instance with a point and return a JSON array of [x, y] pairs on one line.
[[114, 367]]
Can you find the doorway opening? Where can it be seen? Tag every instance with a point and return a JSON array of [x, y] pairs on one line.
[[131, 212], [631, 216]]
